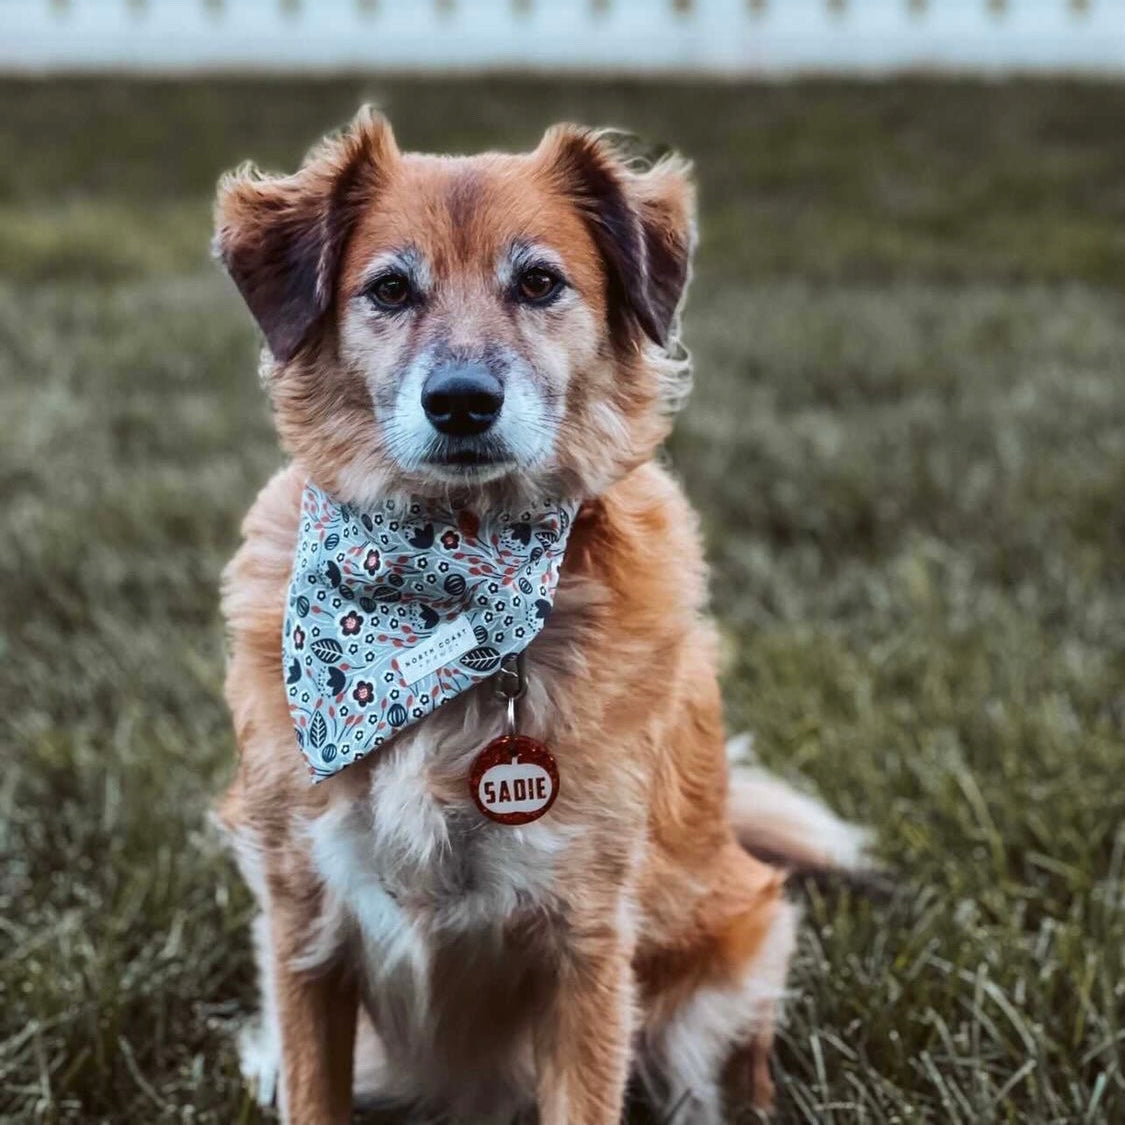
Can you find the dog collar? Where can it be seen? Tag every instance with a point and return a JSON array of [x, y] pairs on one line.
[[395, 609]]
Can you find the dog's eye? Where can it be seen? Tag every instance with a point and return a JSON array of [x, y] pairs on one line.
[[391, 291], [537, 285]]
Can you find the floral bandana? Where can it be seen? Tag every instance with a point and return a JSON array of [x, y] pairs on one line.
[[394, 610]]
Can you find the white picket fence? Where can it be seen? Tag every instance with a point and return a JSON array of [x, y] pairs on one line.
[[727, 37]]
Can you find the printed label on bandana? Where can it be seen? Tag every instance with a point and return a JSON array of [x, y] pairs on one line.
[[447, 643]]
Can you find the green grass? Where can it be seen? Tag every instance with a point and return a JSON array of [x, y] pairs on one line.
[[907, 442]]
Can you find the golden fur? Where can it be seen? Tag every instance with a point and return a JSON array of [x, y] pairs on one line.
[[645, 913]]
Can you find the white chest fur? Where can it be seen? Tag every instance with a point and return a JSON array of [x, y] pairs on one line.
[[412, 862], [416, 834]]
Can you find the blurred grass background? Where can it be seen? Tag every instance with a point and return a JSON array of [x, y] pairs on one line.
[[907, 442]]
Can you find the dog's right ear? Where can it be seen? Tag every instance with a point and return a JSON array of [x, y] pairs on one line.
[[281, 237]]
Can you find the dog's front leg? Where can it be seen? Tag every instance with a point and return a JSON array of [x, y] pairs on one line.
[[583, 1044], [316, 1012]]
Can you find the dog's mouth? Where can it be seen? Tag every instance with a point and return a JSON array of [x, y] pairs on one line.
[[469, 460]]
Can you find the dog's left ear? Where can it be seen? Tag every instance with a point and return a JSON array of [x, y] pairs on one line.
[[642, 221], [281, 237]]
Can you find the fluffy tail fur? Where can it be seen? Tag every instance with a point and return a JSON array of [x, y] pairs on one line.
[[780, 825]]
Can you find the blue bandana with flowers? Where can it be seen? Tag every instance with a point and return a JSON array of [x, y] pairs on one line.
[[395, 609]]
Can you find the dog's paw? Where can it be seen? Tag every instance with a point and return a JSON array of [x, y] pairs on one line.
[[259, 1058]]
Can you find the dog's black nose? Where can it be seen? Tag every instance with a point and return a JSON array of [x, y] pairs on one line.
[[462, 399]]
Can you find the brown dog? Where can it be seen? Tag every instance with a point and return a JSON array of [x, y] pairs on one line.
[[487, 969]]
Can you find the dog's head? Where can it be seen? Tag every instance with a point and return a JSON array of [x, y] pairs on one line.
[[489, 323]]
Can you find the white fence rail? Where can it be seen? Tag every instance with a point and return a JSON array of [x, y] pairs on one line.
[[731, 37]]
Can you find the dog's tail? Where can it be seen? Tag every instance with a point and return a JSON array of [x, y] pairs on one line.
[[780, 825]]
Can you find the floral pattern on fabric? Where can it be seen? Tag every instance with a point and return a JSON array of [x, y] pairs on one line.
[[394, 610]]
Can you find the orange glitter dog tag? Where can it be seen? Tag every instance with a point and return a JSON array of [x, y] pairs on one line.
[[514, 779]]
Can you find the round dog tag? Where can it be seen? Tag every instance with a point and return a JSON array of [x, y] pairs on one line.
[[514, 779]]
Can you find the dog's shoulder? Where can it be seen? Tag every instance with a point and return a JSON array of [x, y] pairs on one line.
[[254, 581], [641, 541], [271, 783]]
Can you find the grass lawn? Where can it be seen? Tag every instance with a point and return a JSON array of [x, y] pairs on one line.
[[907, 441]]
